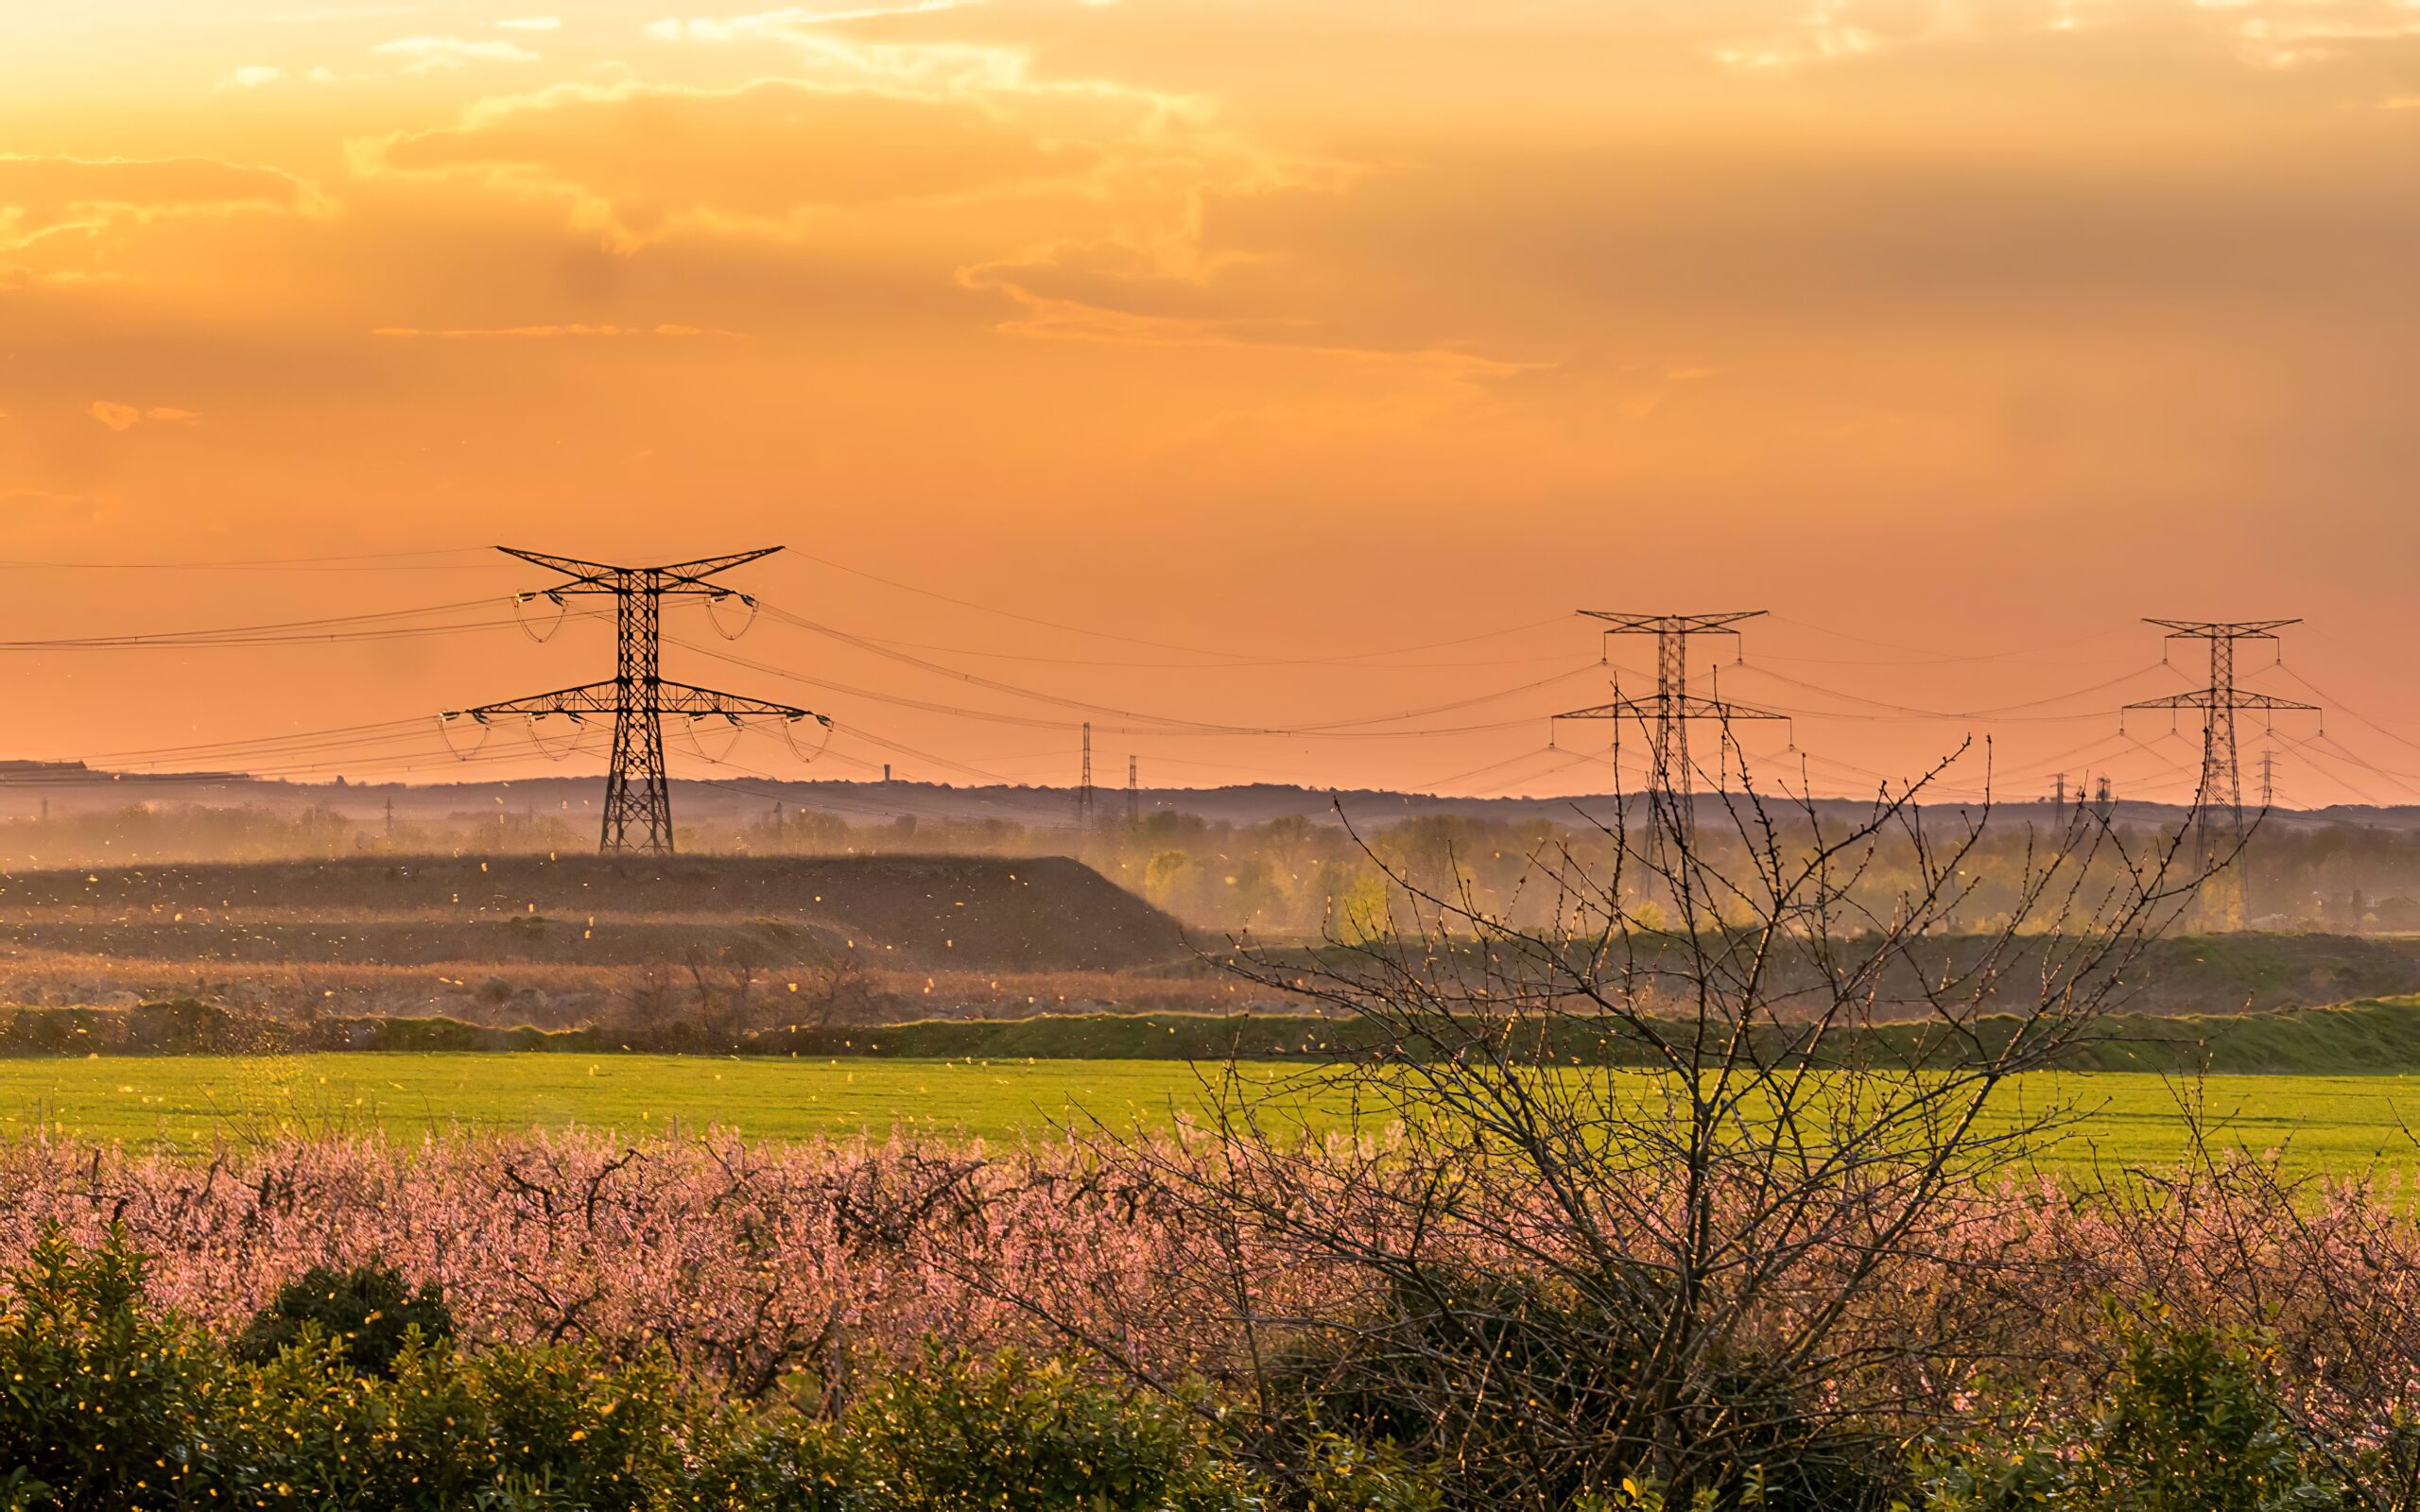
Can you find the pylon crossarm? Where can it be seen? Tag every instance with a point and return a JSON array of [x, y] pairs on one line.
[[690, 576], [1622, 708], [2262, 700], [1669, 623], [586, 577], [588, 698], [2222, 630], [1687, 706], [2210, 699], [682, 698], [2198, 698], [605, 577]]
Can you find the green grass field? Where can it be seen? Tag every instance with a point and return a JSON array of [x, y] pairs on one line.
[[2340, 1123]]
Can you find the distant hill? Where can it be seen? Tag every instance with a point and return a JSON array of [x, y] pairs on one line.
[[969, 912]]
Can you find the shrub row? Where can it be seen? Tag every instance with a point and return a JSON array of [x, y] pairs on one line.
[[2365, 1037], [347, 1392]]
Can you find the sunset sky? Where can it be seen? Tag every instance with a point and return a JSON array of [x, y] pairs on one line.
[[1297, 342]]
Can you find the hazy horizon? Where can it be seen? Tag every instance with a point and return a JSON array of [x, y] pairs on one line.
[[1320, 360]]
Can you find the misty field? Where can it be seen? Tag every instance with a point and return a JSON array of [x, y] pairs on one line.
[[2336, 1122]]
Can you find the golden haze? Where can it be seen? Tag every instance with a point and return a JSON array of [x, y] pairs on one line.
[[1285, 328]]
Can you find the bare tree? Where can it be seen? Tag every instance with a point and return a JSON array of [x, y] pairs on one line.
[[1658, 1175], [833, 989]]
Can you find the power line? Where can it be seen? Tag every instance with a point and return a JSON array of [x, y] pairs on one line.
[[1169, 723], [1160, 646], [1781, 618], [2011, 712], [262, 563], [1238, 665], [336, 626], [1149, 725]]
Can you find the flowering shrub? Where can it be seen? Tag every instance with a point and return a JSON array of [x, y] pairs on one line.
[[742, 1264], [113, 1406], [734, 1296]]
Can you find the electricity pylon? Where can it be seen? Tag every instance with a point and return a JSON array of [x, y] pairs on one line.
[[2218, 801], [1667, 714], [638, 804], [1084, 783]]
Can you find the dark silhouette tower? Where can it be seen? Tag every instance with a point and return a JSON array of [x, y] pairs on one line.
[[638, 805], [1084, 783], [1667, 716], [1133, 796], [2218, 798]]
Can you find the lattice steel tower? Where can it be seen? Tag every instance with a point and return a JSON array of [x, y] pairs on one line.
[[1084, 783], [1667, 714], [638, 804], [2218, 801]]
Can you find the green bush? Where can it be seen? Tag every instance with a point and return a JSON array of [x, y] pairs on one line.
[[347, 1394], [604, 1435], [1015, 1434], [2191, 1427], [784, 1462], [2188, 1424], [1330, 1472], [1511, 1392], [98, 1397], [367, 1312], [106, 1406], [308, 1430], [522, 1428]]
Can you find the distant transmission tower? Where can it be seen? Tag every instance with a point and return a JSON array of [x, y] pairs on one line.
[[1667, 714], [2218, 801], [638, 805], [1084, 783], [1133, 796]]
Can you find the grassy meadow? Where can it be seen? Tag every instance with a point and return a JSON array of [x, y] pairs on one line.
[[193, 1102]]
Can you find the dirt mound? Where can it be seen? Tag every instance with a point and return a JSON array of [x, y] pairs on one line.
[[970, 911]]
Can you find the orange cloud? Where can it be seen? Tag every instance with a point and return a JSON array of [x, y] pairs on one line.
[[429, 53], [792, 23], [55, 199], [639, 162], [119, 417], [252, 75], [1059, 317], [20, 504], [544, 333]]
